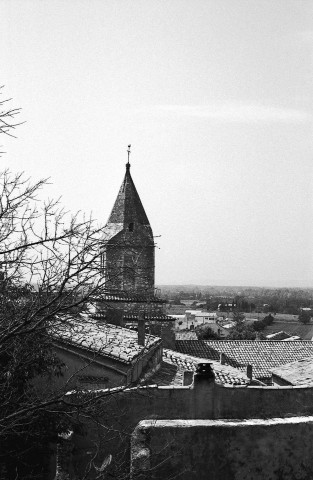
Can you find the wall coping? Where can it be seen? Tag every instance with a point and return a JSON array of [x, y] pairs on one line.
[[191, 387], [177, 423]]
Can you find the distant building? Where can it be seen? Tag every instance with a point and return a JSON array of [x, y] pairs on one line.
[[196, 318], [226, 307], [188, 303], [291, 328], [193, 318], [291, 339], [278, 336]]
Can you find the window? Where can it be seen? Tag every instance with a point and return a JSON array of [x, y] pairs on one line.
[[131, 227]]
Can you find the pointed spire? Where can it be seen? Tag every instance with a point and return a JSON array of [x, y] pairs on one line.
[[128, 207]]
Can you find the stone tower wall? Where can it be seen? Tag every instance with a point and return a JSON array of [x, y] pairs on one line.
[[129, 262]]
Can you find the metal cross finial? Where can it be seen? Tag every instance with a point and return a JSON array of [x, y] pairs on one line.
[[128, 153]]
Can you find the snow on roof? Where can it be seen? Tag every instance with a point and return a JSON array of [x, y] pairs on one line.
[[104, 339]]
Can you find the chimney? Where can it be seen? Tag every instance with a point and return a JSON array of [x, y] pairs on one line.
[[141, 328], [222, 358], [249, 371], [204, 372]]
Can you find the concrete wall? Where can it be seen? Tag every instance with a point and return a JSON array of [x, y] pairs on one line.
[[274, 449]]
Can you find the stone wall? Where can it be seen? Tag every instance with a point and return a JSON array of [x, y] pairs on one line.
[[273, 449], [208, 400], [128, 260], [203, 400]]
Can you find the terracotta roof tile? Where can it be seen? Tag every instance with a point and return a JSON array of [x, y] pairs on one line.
[[104, 339], [174, 364], [149, 317], [122, 296], [167, 374], [297, 373], [262, 355]]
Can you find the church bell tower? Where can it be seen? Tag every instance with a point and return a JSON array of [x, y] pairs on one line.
[[128, 244]]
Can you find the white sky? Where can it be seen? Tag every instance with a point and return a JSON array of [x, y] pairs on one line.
[[216, 98]]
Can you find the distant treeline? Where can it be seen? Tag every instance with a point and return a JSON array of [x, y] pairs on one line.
[[247, 299]]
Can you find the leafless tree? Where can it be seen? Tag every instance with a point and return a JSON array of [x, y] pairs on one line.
[[8, 122], [50, 270]]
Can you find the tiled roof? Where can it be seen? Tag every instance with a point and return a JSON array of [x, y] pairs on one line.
[[305, 332], [262, 355], [148, 317], [127, 297], [297, 373], [167, 374], [104, 339], [134, 318], [223, 373]]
